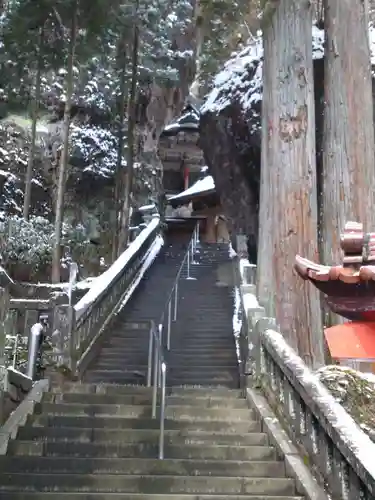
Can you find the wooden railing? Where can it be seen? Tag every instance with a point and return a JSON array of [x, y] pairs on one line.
[[341, 454]]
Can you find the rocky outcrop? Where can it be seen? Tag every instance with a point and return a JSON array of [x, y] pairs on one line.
[[159, 104], [233, 156], [230, 133]]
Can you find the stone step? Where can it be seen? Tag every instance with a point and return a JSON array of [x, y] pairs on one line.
[[211, 331], [109, 364], [184, 413], [199, 390], [125, 378], [118, 377], [81, 421], [142, 399], [231, 382], [140, 450], [135, 496], [203, 373], [189, 352], [177, 438], [173, 364], [114, 389], [146, 484], [143, 466], [221, 356], [202, 342]]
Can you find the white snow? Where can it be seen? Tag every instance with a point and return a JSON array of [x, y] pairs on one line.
[[147, 208], [150, 257], [102, 282], [232, 252], [202, 186], [240, 80], [350, 433]]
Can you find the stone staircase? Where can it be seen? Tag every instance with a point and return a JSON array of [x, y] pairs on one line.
[[123, 357], [97, 441], [202, 343]]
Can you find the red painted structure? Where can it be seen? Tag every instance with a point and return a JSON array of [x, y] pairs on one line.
[[349, 290]]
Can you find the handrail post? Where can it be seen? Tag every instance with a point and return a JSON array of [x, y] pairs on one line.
[[160, 360], [188, 263], [149, 360], [34, 342], [175, 302], [162, 410], [169, 324], [155, 380], [15, 347]]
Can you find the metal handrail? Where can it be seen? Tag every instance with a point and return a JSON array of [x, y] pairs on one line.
[[157, 365], [34, 342]]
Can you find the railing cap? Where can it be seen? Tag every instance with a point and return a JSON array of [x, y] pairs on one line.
[[5, 279], [354, 444], [106, 280]]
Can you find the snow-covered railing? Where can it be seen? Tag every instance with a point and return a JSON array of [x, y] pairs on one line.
[[24, 313], [341, 454], [76, 329]]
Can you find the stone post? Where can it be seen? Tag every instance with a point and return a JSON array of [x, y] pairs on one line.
[[5, 282], [61, 340]]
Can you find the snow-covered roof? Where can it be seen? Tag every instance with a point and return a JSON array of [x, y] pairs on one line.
[[240, 81], [203, 186], [188, 121]]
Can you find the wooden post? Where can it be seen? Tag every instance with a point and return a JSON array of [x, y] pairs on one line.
[[5, 282]]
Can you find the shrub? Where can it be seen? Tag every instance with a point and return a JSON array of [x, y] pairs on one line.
[[28, 245]]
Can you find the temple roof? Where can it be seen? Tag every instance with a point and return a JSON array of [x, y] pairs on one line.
[[187, 122], [202, 187], [317, 272]]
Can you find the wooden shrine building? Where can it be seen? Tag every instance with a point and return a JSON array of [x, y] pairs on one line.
[[190, 191]]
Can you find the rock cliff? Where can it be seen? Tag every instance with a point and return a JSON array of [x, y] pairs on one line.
[[230, 131]]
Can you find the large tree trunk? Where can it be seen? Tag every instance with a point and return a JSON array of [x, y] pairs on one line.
[[288, 204], [265, 274], [35, 113], [348, 143], [120, 148], [65, 150], [195, 87], [128, 183]]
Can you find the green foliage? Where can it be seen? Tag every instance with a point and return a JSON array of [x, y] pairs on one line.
[[30, 243], [226, 24]]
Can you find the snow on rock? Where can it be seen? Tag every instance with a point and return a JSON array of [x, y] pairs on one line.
[[355, 391], [352, 436], [101, 283], [240, 80], [96, 148]]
